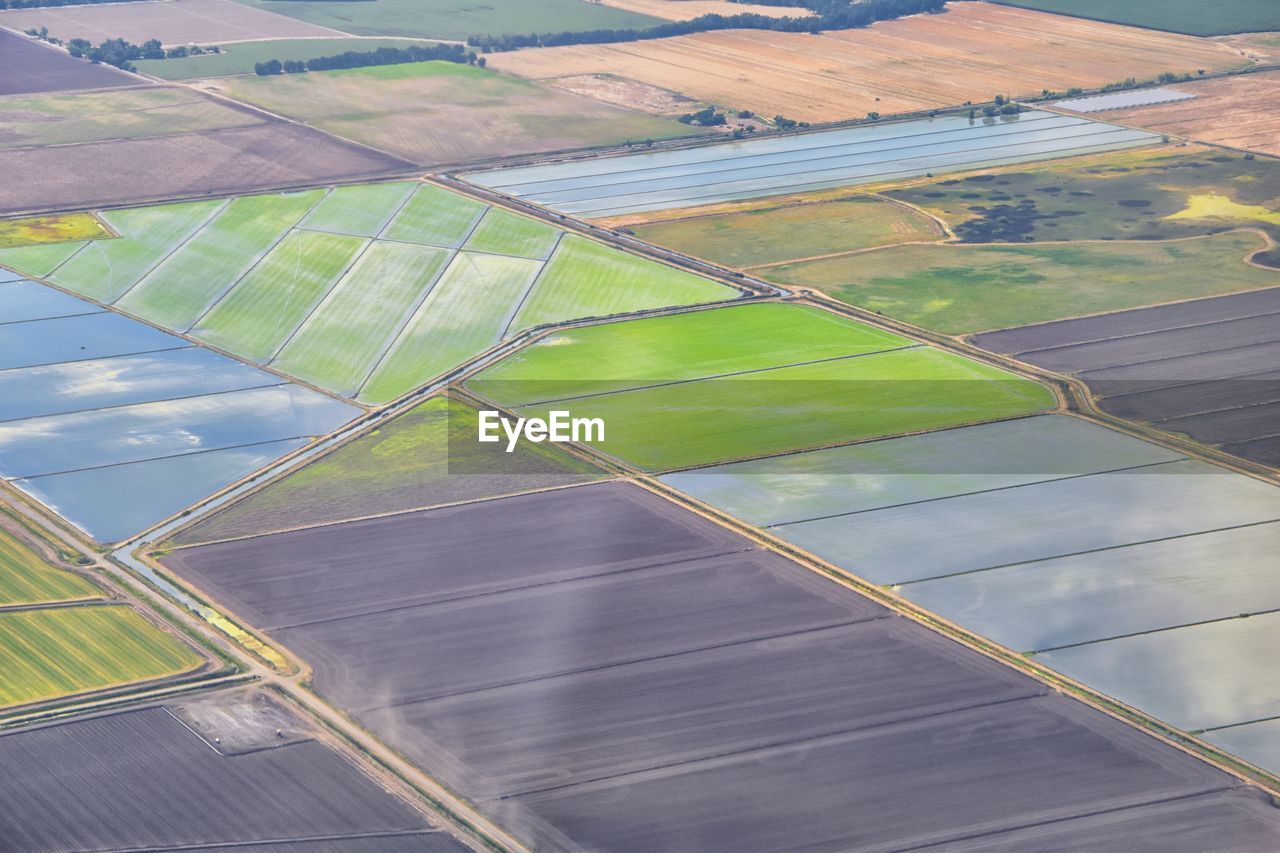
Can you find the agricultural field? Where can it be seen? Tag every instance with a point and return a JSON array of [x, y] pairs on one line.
[[1116, 561], [1205, 368], [59, 636], [785, 684], [756, 168], [238, 159], [959, 289], [367, 290], [845, 74], [450, 19], [27, 578], [1155, 194], [749, 381], [683, 10], [433, 113], [132, 113], [1179, 16], [116, 425], [60, 651], [1240, 112], [173, 22], [29, 67], [425, 457], [39, 230], [152, 778], [765, 236], [241, 57]]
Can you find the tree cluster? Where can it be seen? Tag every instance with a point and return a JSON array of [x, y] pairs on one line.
[[703, 118], [827, 15], [364, 58], [122, 54]]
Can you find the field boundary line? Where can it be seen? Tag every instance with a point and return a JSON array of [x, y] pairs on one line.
[[506, 590], [403, 203], [411, 311], [1100, 550], [1112, 366], [87, 243], [63, 604], [467, 691], [813, 740], [528, 291], [1238, 407], [213, 214], [188, 345], [252, 265], [149, 402], [12, 479], [320, 303], [59, 317], [715, 376], [1062, 479], [1159, 630]]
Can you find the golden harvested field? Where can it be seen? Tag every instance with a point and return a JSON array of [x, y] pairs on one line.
[[1243, 112], [683, 10], [971, 52]]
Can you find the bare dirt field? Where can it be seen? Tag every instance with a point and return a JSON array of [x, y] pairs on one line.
[[628, 94], [171, 21], [135, 170], [971, 52], [434, 113], [29, 67], [683, 10], [1243, 112]]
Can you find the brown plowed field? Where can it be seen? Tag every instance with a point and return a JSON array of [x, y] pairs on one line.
[[173, 22], [971, 52], [1243, 112]]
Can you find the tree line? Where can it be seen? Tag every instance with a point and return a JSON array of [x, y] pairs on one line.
[[363, 58], [827, 15]]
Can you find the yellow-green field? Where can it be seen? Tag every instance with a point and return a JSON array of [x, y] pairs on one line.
[[36, 230], [773, 235], [27, 579], [957, 288], [48, 653]]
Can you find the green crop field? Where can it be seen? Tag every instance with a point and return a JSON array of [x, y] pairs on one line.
[[587, 279], [425, 457], [38, 230], [677, 348], [882, 385], [504, 233], [774, 235], [455, 321], [342, 342], [120, 114], [433, 113], [436, 217], [271, 301], [958, 289], [107, 268], [178, 291], [455, 19], [25, 578], [39, 260], [55, 652], [1153, 194], [241, 57], [362, 210], [1193, 17], [284, 280]]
